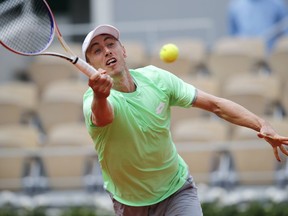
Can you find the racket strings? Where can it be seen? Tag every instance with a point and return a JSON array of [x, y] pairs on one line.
[[26, 26]]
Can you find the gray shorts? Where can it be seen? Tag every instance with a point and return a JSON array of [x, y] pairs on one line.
[[184, 202]]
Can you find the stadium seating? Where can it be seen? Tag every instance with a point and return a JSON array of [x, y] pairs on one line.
[[64, 155], [19, 99], [10, 113], [61, 102], [259, 93], [277, 60], [284, 98], [44, 70], [232, 56], [18, 143], [136, 53], [200, 130], [198, 158], [254, 162]]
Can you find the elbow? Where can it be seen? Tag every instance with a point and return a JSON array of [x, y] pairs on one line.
[[102, 124], [217, 107], [102, 121], [217, 111]]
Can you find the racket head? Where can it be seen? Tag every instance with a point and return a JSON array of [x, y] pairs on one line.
[[27, 27]]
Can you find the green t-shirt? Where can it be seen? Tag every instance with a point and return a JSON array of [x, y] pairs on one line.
[[139, 161]]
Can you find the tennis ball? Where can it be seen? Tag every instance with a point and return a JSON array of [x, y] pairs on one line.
[[169, 53]]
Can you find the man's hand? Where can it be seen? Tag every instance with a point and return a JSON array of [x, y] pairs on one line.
[[101, 84], [276, 141]]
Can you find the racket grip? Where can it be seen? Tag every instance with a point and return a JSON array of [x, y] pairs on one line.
[[85, 68]]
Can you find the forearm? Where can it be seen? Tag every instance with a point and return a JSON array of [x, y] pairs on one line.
[[229, 111], [237, 114], [102, 112]]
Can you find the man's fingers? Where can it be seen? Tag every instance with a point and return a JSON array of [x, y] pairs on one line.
[[283, 139], [283, 149], [276, 141], [275, 150], [277, 137]]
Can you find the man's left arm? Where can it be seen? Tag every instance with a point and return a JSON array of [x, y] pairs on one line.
[[239, 115]]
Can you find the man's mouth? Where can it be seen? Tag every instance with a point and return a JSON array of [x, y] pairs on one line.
[[111, 61]]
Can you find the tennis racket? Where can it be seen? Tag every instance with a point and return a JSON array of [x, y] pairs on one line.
[[28, 27]]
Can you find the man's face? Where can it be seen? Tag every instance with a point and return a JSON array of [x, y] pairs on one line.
[[106, 52]]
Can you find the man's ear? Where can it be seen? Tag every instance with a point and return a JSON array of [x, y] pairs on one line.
[[124, 52], [87, 59]]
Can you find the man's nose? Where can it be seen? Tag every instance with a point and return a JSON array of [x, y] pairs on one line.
[[107, 51]]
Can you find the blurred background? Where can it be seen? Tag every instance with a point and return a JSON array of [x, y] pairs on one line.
[[47, 162]]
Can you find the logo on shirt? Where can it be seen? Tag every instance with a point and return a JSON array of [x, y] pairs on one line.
[[160, 108]]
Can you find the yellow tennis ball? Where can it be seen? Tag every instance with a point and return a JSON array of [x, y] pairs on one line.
[[169, 53]]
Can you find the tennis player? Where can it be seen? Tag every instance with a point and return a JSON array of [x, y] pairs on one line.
[[127, 113]]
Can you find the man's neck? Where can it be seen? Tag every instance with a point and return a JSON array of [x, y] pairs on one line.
[[124, 82]]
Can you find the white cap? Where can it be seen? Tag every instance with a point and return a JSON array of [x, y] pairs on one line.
[[101, 29]]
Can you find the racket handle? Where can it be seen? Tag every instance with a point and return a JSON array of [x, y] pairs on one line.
[[85, 68]]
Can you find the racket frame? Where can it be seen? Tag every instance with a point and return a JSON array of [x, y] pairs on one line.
[[83, 66]]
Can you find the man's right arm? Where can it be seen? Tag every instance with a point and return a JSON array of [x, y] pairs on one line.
[[102, 111]]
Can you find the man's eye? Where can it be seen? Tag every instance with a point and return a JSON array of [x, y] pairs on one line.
[[110, 45], [97, 50]]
